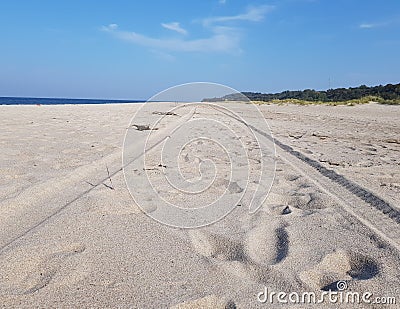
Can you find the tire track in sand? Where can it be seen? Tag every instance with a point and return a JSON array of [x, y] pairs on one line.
[[40, 203], [372, 211], [369, 209]]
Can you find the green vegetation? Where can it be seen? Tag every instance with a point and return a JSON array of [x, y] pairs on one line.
[[389, 94], [363, 100]]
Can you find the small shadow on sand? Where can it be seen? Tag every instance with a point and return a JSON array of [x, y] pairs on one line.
[[282, 244]]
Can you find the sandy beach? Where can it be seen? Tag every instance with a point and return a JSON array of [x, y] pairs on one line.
[[71, 234]]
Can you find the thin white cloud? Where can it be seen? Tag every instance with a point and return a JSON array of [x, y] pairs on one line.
[[255, 14], [175, 26], [367, 26], [387, 23], [223, 39], [222, 1], [110, 27]]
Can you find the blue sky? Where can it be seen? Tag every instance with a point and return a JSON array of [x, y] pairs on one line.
[[134, 49]]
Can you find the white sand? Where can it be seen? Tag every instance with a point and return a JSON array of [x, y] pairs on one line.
[[70, 237]]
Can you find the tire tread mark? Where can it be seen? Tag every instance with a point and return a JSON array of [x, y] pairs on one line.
[[352, 187], [349, 185]]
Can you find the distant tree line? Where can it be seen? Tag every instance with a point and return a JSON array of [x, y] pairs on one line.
[[388, 92]]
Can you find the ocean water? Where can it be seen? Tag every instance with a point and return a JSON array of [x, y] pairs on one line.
[[58, 101]]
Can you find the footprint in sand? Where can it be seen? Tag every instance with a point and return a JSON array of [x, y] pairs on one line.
[[267, 244], [28, 270], [212, 245], [248, 255], [337, 266], [308, 200], [284, 202]]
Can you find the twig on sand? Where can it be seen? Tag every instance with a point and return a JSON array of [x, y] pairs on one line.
[[296, 135], [109, 177], [165, 113], [145, 127], [392, 141], [90, 183], [107, 186]]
